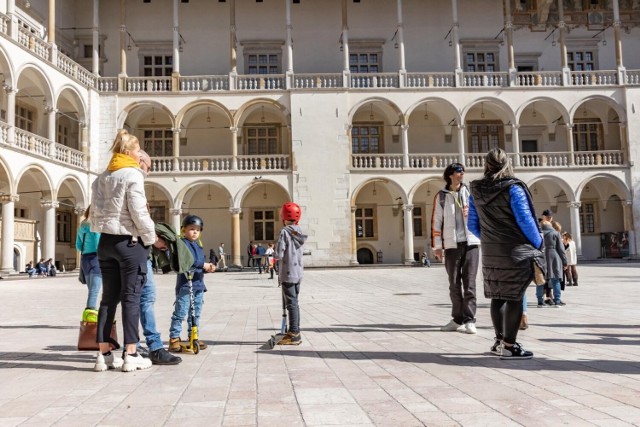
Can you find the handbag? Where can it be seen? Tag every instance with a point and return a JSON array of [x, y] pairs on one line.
[[538, 275], [88, 334], [81, 277]]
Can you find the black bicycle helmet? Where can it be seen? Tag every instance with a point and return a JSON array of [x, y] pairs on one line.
[[193, 220]]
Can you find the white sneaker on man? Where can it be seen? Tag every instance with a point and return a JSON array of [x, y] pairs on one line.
[[470, 328], [135, 362], [110, 361], [452, 326]]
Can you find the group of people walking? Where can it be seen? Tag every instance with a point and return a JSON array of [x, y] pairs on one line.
[[497, 213]]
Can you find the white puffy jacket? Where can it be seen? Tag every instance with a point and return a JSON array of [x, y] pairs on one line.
[[443, 220], [119, 205]]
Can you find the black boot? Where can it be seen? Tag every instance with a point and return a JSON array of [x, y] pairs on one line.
[[575, 283], [163, 357]]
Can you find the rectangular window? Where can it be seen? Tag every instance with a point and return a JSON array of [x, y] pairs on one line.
[[587, 136], [63, 226], [63, 135], [484, 136], [20, 213], [365, 62], [263, 63], [366, 223], [158, 212], [481, 62], [417, 222], [25, 117], [157, 65], [158, 142], [366, 138], [264, 225], [587, 217], [262, 140], [579, 60]]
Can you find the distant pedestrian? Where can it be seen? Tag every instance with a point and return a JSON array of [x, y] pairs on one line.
[[572, 259], [222, 263], [250, 252], [501, 214], [556, 261]]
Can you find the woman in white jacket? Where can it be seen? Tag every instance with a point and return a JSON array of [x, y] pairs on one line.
[[572, 259], [120, 214]]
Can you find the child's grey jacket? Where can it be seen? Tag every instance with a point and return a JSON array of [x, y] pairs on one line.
[[289, 254]]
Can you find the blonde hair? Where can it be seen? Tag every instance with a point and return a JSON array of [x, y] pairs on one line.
[[556, 226], [497, 165], [124, 142]]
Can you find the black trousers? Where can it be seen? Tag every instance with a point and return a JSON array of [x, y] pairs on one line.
[[505, 316], [124, 272], [461, 264]]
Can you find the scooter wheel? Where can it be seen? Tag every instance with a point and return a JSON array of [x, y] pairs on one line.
[[195, 347]]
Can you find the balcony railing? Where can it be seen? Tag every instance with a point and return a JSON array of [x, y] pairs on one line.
[[424, 80], [34, 44], [374, 80], [203, 83], [43, 147], [438, 161], [594, 78], [539, 78], [495, 79], [148, 84], [75, 70], [206, 164], [317, 81], [260, 82]]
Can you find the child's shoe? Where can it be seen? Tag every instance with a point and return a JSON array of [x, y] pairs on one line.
[[90, 315], [135, 361], [174, 345], [291, 338], [203, 346], [107, 361]]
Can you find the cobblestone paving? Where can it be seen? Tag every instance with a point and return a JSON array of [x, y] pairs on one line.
[[373, 354]]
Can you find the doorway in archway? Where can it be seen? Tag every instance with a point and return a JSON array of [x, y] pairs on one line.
[[365, 256]]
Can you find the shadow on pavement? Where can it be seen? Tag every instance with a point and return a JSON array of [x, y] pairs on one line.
[[36, 327]]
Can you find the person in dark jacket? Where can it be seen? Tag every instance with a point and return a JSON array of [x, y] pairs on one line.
[[501, 214]]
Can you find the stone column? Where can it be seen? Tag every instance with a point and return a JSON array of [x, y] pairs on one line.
[[234, 147], [95, 53], [233, 52], [123, 43], [408, 234], [84, 143], [13, 19], [354, 239], [49, 250], [404, 129], [288, 46], [566, 73], [11, 114], [461, 143], [508, 31], [574, 212], [346, 73], [8, 225], [456, 43], [52, 130], [51, 27], [176, 149], [400, 41], [616, 35], [176, 221], [176, 39], [236, 245], [515, 141], [569, 130]]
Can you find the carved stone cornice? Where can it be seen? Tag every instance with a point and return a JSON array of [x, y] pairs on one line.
[[48, 204], [575, 205], [235, 211], [12, 198], [175, 212]]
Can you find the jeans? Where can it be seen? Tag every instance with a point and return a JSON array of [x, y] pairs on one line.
[[555, 285], [291, 292], [181, 311], [124, 271], [147, 313], [461, 264], [94, 284], [524, 302]]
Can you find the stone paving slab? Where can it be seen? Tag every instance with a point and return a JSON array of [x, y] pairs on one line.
[[372, 354]]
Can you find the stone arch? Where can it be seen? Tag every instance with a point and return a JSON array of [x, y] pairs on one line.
[[618, 184], [564, 111], [7, 67], [77, 99], [41, 178], [384, 180], [180, 116], [571, 194], [620, 111], [240, 197], [249, 107], [490, 106], [75, 188], [181, 197], [7, 183], [138, 110], [377, 100], [35, 73]]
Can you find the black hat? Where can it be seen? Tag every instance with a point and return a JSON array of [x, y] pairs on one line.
[[547, 212]]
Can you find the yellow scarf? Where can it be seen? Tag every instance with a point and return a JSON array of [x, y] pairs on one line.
[[119, 161]]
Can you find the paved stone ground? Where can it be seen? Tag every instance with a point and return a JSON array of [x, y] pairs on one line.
[[372, 355]]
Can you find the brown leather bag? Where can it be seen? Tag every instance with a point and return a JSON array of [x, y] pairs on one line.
[[88, 334]]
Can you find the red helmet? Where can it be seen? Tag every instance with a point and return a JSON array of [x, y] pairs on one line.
[[290, 212]]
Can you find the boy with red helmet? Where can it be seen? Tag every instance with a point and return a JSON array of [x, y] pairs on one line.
[[289, 254]]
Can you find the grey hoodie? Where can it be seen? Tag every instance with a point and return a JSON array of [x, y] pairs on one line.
[[289, 254]]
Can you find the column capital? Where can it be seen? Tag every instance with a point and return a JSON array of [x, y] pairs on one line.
[[515, 126], [79, 210], [508, 25], [176, 212], [9, 90], [11, 198], [561, 24], [48, 204], [175, 130], [627, 202], [407, 207], [354, 209], [49, 109], [574, 205], [235, 211], [460, 126], [404, 127], [234, 129], [569, 126], [348, 127]]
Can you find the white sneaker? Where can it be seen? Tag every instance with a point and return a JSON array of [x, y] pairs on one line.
[[132, 363], [470, 328], [110, 361], [452, 326]]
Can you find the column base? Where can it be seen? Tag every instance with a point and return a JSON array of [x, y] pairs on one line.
[[354, 262]]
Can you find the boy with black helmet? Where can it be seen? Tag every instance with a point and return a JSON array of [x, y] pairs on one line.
[[192, 226], [288, 252]]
